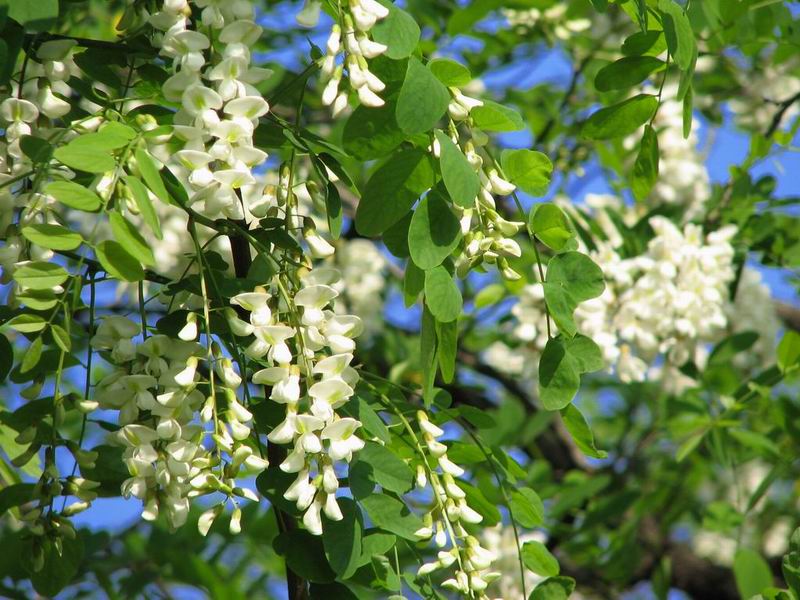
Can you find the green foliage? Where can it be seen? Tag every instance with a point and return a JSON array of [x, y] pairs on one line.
[[528, 170], [620, 119], [422, 101], [572, 278], [434, 231], [563, 362]]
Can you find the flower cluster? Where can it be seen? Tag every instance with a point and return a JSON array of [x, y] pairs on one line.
[[30, 109], [449, 518], [220, 107], [351, 37], [159, 391], [488, 237], [309, 372], [671, 301]]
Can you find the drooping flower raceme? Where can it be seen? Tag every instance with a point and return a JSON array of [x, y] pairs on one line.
[[350, 37], [308, 349]]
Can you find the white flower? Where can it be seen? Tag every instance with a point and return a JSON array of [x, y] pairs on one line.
[[342, 439]]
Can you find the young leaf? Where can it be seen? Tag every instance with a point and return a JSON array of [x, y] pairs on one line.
[[387, 470], [626, 72], [447, 336], [392, 190], [32, 356], [580, 431], [645, 169], [644, 43], [620, 119], [118, 263], [434, 231], [551, 226], [61, 337], [54, 237], [151, 176], [553, 588], [40, 275], [459, 177], [442, 295], [563, 362], [392, 515], [450, 72], [571, 278], [428, 351], [398, 31], [74, 195], [423, 99], [496, 117], [678, 31], [789, 350], [142, 198], [527, 507], [130, 239], [83, 157], [538, 559], [528, 170], [752, 573]]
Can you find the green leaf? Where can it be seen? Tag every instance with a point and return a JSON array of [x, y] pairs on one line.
[[678, 32], [118, 263], [496, 117], [688, 100], [460, 179], [372, 132], [392, 190], [527, 507], [563, 362], [413, 283], [342, 539], [789, 350], [36, 148], [387, 469], [551, 226], [109, 470], [40, 275], [447, 336], [392, 515], [538, 559], [724, 352], [151, 176], [423, 99], [528, 170], [427, 357], [645, 169], [54, 237], [751, 571], [145, 206], [477, 500], [32, 356], [571, 278], [83, 157], [61, 337], [554, 588], [59, 568], [650, 43], [34, 15], [396, 237], [620, 119], [398, 31], [74, 195], [333, 210], [442, 295], [626, 72], [434, 231], [130, 239], [27, 323], [15, 494], [580, 431], [450, 72]]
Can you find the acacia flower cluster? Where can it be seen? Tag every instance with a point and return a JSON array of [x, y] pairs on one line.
[[351, 37], [219, 107], [309, 350], [160, 387], [450, 518]]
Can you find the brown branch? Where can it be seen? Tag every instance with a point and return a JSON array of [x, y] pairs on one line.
[[778, 117], [790, 315]]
